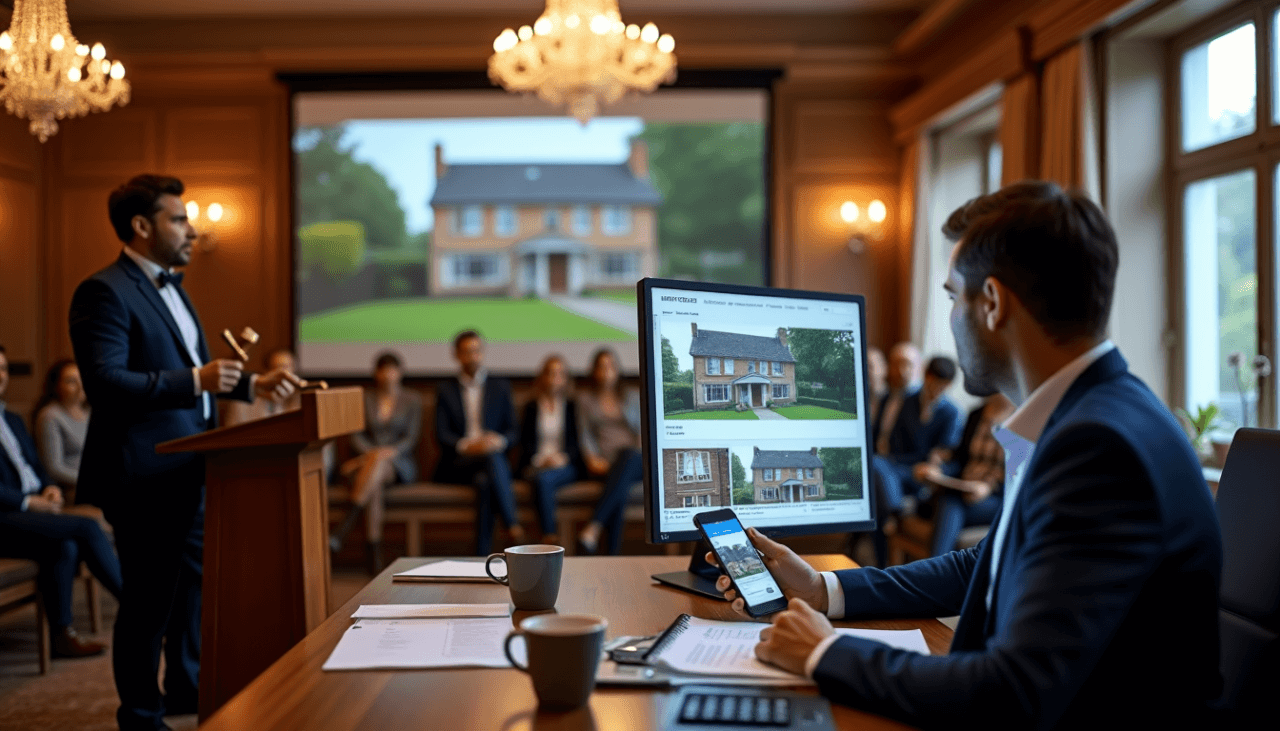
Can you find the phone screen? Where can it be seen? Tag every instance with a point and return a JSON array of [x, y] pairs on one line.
[[741, 562]]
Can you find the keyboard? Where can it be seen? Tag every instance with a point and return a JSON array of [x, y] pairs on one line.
[[718, 708]]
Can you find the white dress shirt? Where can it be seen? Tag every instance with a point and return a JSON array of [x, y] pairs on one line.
[[472, 407], [26, 473], [1018, 435], [182, 316]]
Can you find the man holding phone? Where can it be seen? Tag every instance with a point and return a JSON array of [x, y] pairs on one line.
[[1095, 595]]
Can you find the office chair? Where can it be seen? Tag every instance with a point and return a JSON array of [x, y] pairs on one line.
[[1249, 601]]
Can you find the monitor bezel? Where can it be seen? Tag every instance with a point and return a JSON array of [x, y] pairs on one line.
[[649, 419]]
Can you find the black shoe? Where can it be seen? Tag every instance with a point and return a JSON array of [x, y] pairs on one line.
[[373, 554], [180, 707]]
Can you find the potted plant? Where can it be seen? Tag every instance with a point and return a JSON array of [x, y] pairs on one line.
[[1198, 427]]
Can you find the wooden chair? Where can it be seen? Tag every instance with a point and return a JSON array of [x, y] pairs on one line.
[[18, 589], [912, 537]]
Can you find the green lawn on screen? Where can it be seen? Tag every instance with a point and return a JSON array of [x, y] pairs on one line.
[[805, 411], [437, 321], [715, 416]]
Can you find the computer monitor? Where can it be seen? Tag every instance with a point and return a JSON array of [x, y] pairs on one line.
[[754, 399]]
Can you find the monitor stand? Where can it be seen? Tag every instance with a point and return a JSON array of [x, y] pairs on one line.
[[699, 578]]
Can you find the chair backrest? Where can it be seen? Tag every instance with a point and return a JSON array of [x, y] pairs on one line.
[[1249, 602]]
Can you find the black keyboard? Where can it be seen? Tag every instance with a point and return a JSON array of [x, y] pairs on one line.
[[719, 708]]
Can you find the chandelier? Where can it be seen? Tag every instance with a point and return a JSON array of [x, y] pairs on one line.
[[47, 75], [581, 55]]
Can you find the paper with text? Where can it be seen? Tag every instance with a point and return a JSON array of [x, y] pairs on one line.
[[446, 571], [390, 644], [429, 611]]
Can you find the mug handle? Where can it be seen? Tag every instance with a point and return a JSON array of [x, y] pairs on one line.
[[504, 580], [506, 650]]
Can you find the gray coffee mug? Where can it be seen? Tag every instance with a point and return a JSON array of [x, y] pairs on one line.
[[564, 653], [533, 574]]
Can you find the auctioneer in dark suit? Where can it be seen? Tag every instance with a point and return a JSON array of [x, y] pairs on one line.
[[137, 365], [1104, 607], [491, 474]]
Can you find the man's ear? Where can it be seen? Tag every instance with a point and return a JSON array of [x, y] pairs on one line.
[[994, 304], [141, 226]]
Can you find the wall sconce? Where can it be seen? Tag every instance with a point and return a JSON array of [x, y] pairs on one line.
[[863, 228], [206, 240]]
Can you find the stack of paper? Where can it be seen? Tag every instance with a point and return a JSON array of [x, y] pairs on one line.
[[431, 611], [401, 644], [450, 571]]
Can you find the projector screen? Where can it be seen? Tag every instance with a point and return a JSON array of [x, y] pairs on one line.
[[419, 214]]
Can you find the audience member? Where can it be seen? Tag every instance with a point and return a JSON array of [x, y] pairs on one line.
[[61, 419], [610, 419], [31, 527], [386, 453], [238, 412], [877, 382], [1107, 544], [475, 425], [549, 454], [970, 477]]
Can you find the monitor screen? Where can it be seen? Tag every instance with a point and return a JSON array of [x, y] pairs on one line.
[[754, 400]]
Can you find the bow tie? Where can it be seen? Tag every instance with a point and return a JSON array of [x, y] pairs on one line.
[[174, 278]]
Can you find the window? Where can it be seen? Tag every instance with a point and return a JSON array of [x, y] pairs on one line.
[[768, 475], [728, 366], [696, 501], [782, 390], [551, 219], [769, 493], [615, 220], [582, 220], [808, 473], [504, 221], [715, 393], [467, 221], [472, 269], [764, 367], [1223, 164], [713, 366], [777, 368], [692, 466], [811, 491], [751, 366], [616, 265]]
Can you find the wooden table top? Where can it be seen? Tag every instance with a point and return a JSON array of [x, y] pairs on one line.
[[294, 693]]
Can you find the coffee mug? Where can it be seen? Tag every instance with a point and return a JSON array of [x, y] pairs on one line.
[[533, 574], [563, 653]]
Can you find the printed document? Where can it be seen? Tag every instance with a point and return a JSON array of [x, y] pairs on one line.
[[395, 644]]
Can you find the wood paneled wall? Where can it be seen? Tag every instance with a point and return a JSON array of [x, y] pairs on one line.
[[20, 258]]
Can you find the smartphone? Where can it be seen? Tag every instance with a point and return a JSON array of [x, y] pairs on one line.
[[740, 562]]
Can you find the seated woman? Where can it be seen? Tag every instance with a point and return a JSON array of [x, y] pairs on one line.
[[61, 421], [549, 455], [386, 453], [610, 441], [971, 476]]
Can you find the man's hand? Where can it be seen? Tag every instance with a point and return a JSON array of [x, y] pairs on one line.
[[795, 632], [42, 504], [976, 491], [926, 472], [493, 442], [276, 385], [472, 447], [796, 578], [220, 376], [551, 461], [596, 465], [53, 493]]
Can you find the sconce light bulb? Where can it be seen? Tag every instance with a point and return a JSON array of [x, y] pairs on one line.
[[876, 211], [849, 211], [214, 212], [193, 211]]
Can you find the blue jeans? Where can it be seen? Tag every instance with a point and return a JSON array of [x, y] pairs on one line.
[[954, 515], [892, 482], [491, 477], [627, 470], [58, 543], [546, 483]]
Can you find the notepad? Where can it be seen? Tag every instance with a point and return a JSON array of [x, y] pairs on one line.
[[403, 644], [706, 647], [448, 571], [430, 611]]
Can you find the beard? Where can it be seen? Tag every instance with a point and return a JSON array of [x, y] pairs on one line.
[[982, 366]]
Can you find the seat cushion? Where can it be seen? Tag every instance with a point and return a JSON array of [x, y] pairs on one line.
[[428, 494], [16, 570]]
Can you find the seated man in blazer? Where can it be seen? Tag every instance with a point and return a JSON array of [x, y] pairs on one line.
[[31, 526], [475, 426], [1094, 599]]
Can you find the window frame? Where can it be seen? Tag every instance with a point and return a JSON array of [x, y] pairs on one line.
[[1259, 151], [769, 493], [706, 393], [499, 213]]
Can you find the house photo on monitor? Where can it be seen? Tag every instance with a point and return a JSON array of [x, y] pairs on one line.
[[424, 212]]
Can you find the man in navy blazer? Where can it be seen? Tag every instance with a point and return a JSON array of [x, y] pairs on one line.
[[147, 370], [1094, 599], [475, 426]]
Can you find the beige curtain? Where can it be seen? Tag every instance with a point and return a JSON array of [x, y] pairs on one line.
[[1019, 129], [1062, 152]]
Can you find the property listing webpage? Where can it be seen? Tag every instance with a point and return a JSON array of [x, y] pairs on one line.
[[760, 409]]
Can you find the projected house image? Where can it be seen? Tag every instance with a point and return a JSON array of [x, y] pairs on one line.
[[517, 230], [784, 476], [731, 368], [696, 478]]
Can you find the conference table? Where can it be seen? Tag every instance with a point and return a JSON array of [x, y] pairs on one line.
[[295, 694]]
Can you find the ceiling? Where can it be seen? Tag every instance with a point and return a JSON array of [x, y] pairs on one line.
[[79, 9]]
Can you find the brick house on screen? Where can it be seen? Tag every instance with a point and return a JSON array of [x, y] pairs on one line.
[[696, 478], [752, 370], [787, 476]]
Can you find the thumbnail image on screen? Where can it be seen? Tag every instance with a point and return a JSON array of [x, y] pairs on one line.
[[740, 560]]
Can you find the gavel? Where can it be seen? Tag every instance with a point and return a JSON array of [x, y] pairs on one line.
[[249, 337]]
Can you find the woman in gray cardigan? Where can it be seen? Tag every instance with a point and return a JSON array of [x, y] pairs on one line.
[[61, 421], [386, 453]]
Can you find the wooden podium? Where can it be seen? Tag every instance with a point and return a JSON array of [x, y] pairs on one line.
[[266, 548]]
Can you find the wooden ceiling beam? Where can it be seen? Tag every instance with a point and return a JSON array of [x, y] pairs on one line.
[[927, 25]]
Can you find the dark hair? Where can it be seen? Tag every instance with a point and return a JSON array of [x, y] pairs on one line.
[[463, 336], [51, 380], [941, 367], [2, 350], [1052, 248], [139, 197], [595, 361], [387, 358]]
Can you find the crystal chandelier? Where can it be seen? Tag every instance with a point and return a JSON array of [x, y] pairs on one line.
[[580, 54], [47, 75]]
